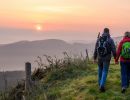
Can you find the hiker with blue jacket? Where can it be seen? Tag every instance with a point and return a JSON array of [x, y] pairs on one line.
[[104, 49]]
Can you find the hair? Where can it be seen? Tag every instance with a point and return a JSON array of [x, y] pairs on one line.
[[106, 30], [127, 34]]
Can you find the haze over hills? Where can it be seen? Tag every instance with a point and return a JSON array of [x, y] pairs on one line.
[[11, 78], [14, 55]]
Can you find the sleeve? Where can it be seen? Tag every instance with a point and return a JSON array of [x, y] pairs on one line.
[[119, 50], [95, 51], [113, 48]]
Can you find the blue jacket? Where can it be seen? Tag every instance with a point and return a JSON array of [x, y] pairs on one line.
[[112, 46]]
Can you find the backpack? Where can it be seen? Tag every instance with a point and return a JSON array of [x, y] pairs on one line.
[[125, 52], [103, 46]]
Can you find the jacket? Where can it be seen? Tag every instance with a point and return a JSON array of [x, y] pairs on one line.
[[112, 47], [125, 39]]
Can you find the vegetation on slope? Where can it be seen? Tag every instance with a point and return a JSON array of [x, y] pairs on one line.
[[82, 86], [74, 79]]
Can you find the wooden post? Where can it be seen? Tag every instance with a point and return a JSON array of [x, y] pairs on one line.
[[5, 80], [87, 56], [28, 76]]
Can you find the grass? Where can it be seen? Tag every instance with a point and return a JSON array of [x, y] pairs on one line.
[[74, 79], [83, 86]]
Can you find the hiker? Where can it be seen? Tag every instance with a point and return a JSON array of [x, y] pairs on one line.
[[103, 49], [123, 52]]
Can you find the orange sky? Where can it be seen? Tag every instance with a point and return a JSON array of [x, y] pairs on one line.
[[72, 17]]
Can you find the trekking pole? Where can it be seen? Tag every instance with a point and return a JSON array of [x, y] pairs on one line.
[[98, 35]]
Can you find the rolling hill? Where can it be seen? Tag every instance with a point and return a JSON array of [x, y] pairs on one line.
[[14, 55]]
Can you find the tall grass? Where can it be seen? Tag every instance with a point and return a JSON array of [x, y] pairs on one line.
[[55, 70], [68, 67], [56, 65]]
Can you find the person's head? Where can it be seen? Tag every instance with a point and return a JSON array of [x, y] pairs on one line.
[[106, 32], [127, 34]]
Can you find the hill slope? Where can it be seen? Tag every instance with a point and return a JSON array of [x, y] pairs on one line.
[[82, 86], [14, 55], [71, 79]]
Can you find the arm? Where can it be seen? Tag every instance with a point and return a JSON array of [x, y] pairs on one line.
[[113, 47], [119, 51], [95, 50]]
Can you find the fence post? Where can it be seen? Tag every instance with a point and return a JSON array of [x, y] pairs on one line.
[[87, 56], [5, 81], [28, 76]]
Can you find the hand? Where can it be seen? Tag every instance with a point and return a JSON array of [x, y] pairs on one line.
[[95, 61], [116, 61]]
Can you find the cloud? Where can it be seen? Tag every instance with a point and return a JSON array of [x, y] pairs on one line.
[[50, 9]]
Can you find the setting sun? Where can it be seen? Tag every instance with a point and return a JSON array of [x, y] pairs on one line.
[[38, 27]]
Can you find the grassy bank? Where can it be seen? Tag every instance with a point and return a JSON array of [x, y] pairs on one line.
[[74, 79], [83, 86]]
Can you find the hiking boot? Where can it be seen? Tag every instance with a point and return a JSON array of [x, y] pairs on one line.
[[102, 89], [123, 90]]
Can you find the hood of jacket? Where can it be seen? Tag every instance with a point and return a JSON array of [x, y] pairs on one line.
[[106, 34]]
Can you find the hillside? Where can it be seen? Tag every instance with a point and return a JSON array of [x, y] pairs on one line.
[[71, 79], [14, 55], [83, 86]]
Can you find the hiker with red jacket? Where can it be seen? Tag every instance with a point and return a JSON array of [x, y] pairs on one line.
[[104, 47], [123, 52]]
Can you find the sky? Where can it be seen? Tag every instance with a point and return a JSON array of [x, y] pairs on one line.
[[62, 19]]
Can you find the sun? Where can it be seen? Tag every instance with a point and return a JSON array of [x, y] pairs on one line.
[[38, 27]]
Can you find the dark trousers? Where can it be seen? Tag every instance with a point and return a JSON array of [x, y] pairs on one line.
[[125, 74]]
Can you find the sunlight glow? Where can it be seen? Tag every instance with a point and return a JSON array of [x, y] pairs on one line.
[[38, 27]]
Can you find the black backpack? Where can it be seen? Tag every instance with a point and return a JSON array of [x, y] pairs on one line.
[[103, 48]]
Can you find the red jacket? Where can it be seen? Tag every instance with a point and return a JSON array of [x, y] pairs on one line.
[[125, 39]]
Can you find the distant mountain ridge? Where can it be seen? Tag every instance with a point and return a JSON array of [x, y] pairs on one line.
[[14, 55]]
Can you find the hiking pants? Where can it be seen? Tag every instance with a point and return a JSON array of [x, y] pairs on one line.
[[103, 67], [125, 74]]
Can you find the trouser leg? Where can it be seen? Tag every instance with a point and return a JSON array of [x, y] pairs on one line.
[[128, 74], [104, 73], [124, 78], [100, 68]]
